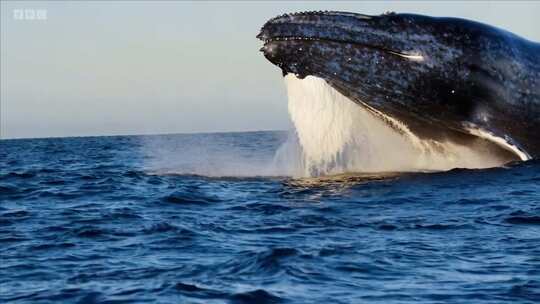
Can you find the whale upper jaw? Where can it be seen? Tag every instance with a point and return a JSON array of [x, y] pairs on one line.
[[331, 27]]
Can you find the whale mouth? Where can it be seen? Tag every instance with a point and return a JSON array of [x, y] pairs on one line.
[[267, 49]]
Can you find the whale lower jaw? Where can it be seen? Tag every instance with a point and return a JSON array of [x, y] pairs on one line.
[[505, 143], [337, 135]]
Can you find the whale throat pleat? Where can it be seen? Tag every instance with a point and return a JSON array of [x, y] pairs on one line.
[[332, 134]]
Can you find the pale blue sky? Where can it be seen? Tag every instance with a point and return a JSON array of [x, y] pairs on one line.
[[103, 68]]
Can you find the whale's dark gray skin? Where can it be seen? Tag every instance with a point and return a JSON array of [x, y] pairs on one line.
[[442, 77]]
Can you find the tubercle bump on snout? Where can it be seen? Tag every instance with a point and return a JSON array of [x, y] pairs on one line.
[[305, 13], [292, 17], [289, 15]]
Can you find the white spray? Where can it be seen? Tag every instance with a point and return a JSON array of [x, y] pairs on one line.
[[334, 135]]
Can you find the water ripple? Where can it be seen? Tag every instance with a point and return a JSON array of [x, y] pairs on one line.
[[90, 220]]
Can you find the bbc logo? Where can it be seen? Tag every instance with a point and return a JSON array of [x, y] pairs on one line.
[[30, 14]]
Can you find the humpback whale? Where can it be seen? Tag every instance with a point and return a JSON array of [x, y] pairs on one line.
[[446, 79]]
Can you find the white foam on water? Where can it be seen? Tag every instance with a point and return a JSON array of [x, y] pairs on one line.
[[333, 135]]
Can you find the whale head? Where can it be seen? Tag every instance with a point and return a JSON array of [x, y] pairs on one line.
[[445, 78]]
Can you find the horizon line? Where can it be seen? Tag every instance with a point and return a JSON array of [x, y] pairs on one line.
[[143, 134]]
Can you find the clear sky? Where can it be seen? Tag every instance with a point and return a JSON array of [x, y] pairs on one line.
[[103, 68]]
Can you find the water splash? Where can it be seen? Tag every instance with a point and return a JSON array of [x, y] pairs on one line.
[[212, 154], [334, 135]]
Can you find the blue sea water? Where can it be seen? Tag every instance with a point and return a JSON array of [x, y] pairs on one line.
[[188, 219]]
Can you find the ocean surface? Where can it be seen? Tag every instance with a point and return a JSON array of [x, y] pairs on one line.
[[198, 219]]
